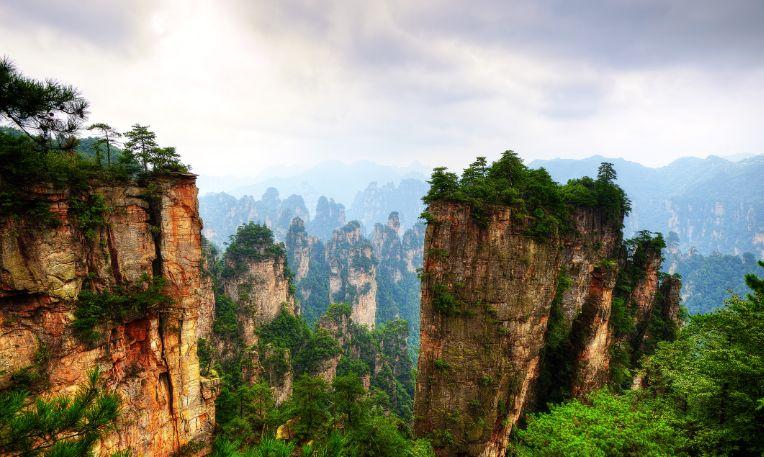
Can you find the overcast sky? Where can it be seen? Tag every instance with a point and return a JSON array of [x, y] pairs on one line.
[[238, 86]]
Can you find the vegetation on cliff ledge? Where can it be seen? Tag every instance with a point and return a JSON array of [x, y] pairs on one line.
[[532, 193], [122, 303], [702, 394], [42, 148]]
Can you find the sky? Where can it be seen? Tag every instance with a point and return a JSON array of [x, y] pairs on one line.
[[242, 86]]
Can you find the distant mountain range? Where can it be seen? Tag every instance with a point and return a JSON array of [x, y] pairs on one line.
[[715, 207], [713, 204], [338, 180]]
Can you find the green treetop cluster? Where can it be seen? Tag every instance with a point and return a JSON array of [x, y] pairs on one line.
[[43, 147], [531, 192], [251, 242]]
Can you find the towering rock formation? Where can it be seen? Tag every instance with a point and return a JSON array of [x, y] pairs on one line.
[[509, 321], [255, 284], [149, 358], [306, 258], [352, 273], [223, 213], [259, 286], [329, 216]]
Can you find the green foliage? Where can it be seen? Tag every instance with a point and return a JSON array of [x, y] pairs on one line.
[[532, 194], [247, 412], [604, 426], [251, 242], [226, 323], [141, 145], [714, 374], [47, 111], [307, 349], [204, 353], [56, 426], [310, 402], [444, 301], [89, 213], [121, 304], [268, 447]]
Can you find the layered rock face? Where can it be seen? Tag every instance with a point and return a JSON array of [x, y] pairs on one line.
[[352, 273], [509, 322], [151, 360], [260, 291]]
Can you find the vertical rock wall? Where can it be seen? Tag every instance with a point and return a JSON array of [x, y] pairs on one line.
[[509, 322], [151, 360], [352, 273]]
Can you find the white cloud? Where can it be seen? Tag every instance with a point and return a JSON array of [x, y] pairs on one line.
[[238, 87]]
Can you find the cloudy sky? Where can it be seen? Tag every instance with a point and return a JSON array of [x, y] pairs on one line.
[[242, 85]]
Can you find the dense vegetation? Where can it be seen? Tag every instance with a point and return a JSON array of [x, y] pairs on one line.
[[343, 417], [530, 192], [65, 425], [707, 279], [702, 394], [43, 147]]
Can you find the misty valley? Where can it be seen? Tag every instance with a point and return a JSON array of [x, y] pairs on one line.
[[560, 307]]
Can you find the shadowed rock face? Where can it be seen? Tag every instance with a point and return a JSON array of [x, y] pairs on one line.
[[496, 308], [151, 360]]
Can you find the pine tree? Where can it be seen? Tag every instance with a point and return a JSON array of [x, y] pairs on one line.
[[107, 138], [48, 112], [141, 144], [57, 426]]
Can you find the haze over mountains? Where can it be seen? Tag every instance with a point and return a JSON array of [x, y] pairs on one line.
[[713, 204]]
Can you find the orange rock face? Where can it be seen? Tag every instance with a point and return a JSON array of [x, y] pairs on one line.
[[509, 322], [150, 361]]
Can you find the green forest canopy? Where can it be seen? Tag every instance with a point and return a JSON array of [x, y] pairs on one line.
[[531, 192]]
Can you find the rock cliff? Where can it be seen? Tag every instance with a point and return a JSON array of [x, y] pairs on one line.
[[510, 322], [150, 358], [352, 273]]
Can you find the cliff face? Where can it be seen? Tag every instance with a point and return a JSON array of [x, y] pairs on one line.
[[151, 360], [509, 322], [260, 291], [352, 273]]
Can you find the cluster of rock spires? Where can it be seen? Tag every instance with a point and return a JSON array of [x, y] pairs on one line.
[[349, 268], [493, 353], [482, 364]]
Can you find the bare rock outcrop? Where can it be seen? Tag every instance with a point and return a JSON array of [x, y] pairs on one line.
[[150, 360]]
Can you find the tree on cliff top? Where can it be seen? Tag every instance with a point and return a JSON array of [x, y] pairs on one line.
[[48, 111], [532, 193], [108, 138]]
